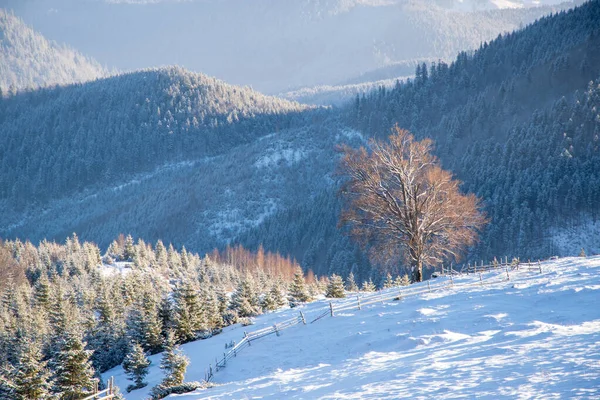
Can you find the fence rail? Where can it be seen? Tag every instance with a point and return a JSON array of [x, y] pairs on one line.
[[248, 338], [400, 292], [105, 394]]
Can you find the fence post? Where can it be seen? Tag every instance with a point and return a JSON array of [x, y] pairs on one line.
[[507, 275], [331, 308], [480, 279], [540, 265], [303, 320], [246, 337], [224, 359], [399, 293], [429, 286], [451, 280], [358, 301], [276, 331]]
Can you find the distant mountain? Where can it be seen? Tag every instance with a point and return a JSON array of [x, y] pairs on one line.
[[273, 45], [172, 155], [28, 60], [58, 141]]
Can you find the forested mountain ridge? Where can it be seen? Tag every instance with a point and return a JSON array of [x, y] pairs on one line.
[[516, 121], [316, 42], [29, 61], [60, 140]]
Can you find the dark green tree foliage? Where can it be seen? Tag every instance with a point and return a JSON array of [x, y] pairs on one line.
[[31, 378], [335, 287], [245, 299], [188, 317], [72, 368], [136, 366], [298, 290], [173, 363]]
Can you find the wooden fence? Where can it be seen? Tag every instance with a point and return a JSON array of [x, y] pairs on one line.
[[395, 293], [247, 340], [105, 394]]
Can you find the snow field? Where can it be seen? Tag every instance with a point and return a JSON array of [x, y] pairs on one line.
[[535, 336]]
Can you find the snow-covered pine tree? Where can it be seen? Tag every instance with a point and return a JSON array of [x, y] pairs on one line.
[[368, 286], [174, 363], [405, 280], [73, 370], [351, 283], [335, 287], [298, 291], [188, 311], [31, 379], [129, 250], [42, 292], [136, 366], [389, 282], [245, 300], [210, 309]]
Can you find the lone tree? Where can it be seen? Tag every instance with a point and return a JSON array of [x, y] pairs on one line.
[[399, 201]]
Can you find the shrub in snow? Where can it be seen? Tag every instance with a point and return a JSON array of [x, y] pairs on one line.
[[160, 392]]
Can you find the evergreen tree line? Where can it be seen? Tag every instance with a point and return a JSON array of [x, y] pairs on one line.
[[69, 313]]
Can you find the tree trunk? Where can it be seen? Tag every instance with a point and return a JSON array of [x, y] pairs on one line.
[[417, 271]]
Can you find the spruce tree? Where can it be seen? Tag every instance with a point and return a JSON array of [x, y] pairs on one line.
[[351, 283], [245, 300], [31, 379], [405, 280], [188, 312], [389, 282], [129, 250], [173, 363], [136, 366], [72, 368], [368, 286], [298, 290], [335, 287]]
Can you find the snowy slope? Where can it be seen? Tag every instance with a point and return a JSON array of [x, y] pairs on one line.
[[535, 336]]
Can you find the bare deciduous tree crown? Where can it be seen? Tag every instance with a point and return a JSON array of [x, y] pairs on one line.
[[400, 201]]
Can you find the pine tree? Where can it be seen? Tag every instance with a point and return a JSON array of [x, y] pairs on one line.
[[129, 251], [298, 290], [582, 252], [389, 282], [273, 299], [173, 363], [351, 283], [335, 287], [245, 300], [405, 280], [368, 286], [72, 368], [42, 292], [188, 312], [31, 379], [136, 366]]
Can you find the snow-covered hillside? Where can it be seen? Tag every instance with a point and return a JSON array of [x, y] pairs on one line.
[[535, 336]]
